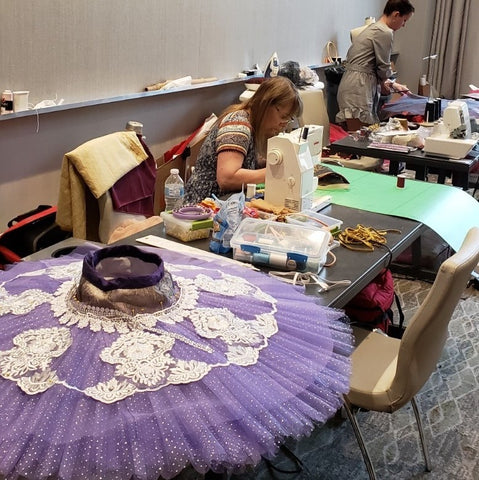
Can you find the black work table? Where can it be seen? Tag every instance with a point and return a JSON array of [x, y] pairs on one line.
[[416, 160], [359, 267]]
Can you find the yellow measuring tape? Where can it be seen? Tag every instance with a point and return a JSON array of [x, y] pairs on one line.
[[363, 238]]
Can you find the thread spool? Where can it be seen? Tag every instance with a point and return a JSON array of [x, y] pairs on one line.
[[401, 181], [250, 191], [274, 259], [429, 112], [437, 108], [404, 124]]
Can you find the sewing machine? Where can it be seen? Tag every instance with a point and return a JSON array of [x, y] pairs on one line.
[[452, 136], [315, 141], [290, 180]]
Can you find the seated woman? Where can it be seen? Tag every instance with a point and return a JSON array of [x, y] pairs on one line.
[[234, 153]]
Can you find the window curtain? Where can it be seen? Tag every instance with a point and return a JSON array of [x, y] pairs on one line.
[[448, 42]]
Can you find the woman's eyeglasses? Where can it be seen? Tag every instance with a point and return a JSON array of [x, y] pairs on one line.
[[284, 118]]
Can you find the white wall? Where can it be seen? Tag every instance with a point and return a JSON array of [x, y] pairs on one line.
[[89, 49]]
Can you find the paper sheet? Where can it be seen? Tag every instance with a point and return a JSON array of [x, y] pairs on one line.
[[447, 210]]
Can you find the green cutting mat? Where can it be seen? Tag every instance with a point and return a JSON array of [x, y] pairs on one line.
[[447, 210]]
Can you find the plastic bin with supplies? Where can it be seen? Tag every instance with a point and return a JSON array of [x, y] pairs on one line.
[[186, 230], [314, 219], [282, 246]]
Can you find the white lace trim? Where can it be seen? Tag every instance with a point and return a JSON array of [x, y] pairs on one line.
[[142, 347]]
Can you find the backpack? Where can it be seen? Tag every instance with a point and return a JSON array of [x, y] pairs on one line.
[[372, 307]]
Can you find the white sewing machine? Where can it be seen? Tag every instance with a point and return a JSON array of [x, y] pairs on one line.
[[452, 136], [290, 180], [315, 141]]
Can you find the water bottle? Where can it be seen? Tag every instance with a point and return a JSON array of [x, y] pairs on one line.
[[174, 190]]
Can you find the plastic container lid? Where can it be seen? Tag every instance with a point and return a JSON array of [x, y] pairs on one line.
[[280, 245], [174, 171]]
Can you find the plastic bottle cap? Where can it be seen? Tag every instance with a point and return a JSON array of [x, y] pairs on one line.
[[174, 171]]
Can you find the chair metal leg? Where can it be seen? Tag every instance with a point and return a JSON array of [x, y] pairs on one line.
[[360, 440], [421, 435]]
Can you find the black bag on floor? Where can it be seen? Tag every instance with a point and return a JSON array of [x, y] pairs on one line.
[[30, 232]]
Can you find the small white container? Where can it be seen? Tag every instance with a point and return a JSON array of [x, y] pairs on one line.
[[20, 100], [282, 246]]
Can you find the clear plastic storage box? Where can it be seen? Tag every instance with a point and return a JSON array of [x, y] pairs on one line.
[[281, 246], [186, 230]]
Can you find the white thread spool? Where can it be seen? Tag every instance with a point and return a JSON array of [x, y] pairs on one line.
[[250, 191]]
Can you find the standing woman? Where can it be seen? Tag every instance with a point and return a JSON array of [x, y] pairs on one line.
[[368, 67], [234, 152]]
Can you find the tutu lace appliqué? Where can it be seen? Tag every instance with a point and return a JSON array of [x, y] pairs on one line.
[[232, 364], [141, 349]]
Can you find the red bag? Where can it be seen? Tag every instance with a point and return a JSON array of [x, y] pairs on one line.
[[336, 133], [371, 307], [30, 232]]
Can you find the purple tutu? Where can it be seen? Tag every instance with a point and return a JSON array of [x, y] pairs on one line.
[[187, 361]]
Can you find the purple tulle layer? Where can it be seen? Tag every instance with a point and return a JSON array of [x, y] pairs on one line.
[[225, 421]]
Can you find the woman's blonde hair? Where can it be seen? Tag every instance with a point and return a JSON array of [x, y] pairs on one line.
[[277, 91]]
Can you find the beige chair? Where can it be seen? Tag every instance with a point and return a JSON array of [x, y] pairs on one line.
[[85, 206], [386, 372]]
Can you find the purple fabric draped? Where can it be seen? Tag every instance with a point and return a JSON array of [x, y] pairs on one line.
[[416, 104], [226, 420], [134, 192]]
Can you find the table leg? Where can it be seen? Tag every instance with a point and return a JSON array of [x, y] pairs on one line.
[[460, 179], [393, 167], [441, 177], [420, 173]]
